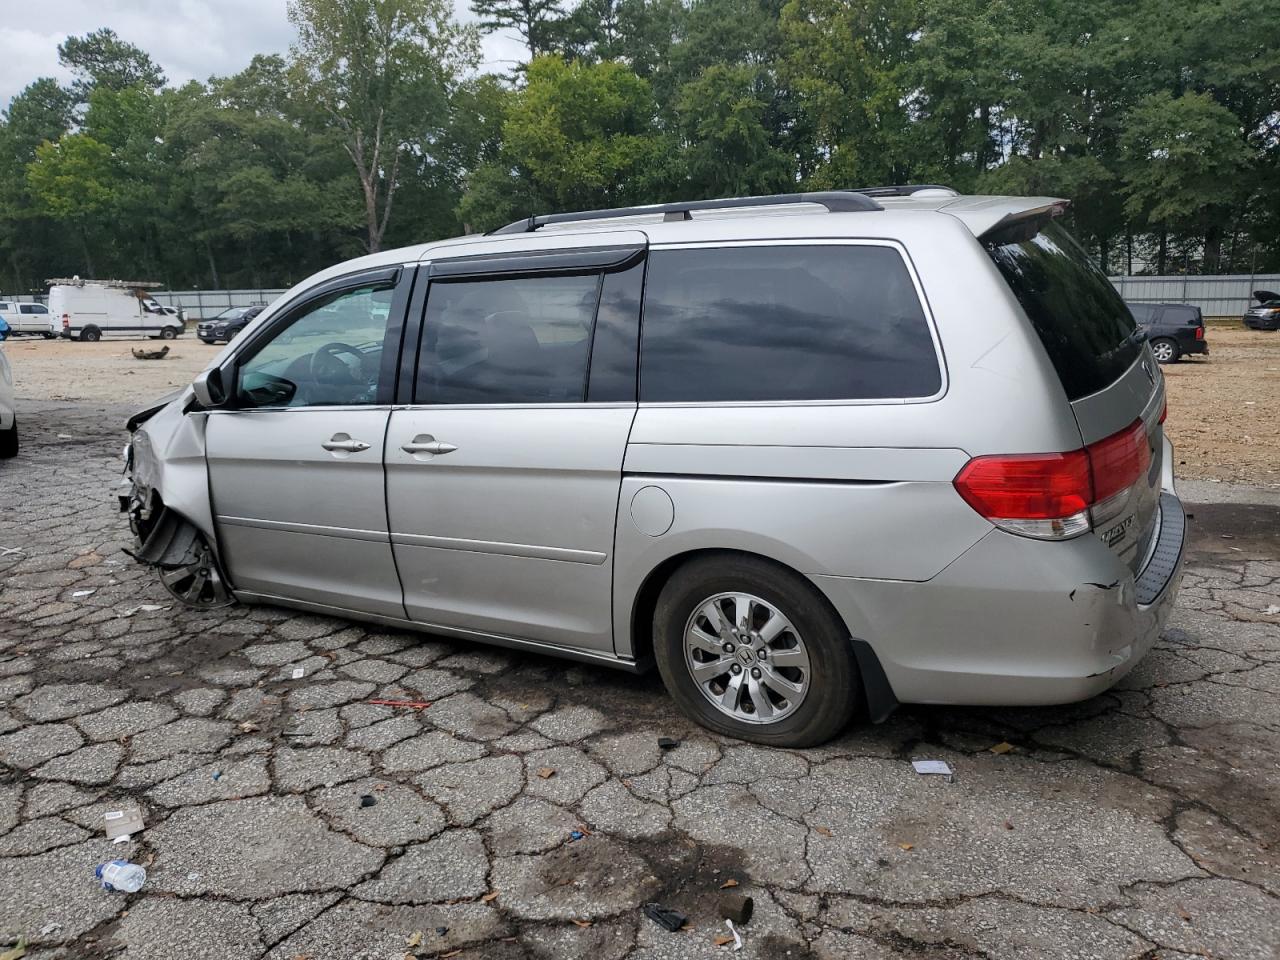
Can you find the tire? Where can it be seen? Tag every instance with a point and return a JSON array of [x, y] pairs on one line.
[[50, 336], [90, 335], [1165, 350], [168, 333], [830, 684], [9, 441]]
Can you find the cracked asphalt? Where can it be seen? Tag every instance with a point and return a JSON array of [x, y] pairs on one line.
[[1143, 823]]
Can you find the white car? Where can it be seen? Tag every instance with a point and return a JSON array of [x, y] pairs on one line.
[[29, 318], [8, 415]]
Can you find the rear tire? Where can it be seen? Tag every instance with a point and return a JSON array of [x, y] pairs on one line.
[[9, 441], [168, 333], [50, 336], [808, 678], [90, 335], [1165, 350]]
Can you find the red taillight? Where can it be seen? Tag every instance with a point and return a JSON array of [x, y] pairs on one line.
[[1040, 486], [1048, 495], [1164, 412], [66, 321], [1199, 333]]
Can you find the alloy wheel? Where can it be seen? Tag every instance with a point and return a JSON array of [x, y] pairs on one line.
[[197, 582], [747, 658], [1163, 352]]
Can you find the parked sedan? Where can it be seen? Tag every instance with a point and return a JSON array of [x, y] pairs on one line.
[[1174, 330], [228, 323], [1266, 315]]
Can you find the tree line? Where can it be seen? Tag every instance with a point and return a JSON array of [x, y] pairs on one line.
[[1160, 121]]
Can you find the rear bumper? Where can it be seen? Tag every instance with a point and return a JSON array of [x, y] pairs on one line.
[[1018, 621], [1192, 345]]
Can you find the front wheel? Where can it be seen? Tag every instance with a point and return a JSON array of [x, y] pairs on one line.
[[168, 333], [1164, 350], [752, 650]]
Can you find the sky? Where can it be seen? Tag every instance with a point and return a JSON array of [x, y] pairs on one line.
[[190, 39]]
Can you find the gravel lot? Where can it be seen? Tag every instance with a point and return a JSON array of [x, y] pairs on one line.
[[1143, 823]]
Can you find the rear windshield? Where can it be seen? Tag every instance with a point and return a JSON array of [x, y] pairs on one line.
[[1085, 327]]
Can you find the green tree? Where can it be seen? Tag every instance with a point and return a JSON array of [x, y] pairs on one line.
[[534, 21], [102, 59], [380, 73], [74, 182]]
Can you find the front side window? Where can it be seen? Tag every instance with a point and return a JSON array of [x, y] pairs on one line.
[[33, 308], [330, 354], [524, 340], [759, 323]]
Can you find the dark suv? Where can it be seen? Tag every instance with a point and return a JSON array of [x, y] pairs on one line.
[[1173, 329], [1266, 315], [228, 323]]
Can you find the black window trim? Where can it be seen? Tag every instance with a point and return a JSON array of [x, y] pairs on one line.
[[943, 376], [398, 277], [559, 261]]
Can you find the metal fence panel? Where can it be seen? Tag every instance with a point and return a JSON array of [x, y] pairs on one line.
[[1222, 296]]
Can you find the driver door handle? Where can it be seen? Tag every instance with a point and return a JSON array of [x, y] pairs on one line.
[[341, 441], [425, 443]]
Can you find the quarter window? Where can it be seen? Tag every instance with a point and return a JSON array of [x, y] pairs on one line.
[[524, 340], [758, 323], [330, 354]]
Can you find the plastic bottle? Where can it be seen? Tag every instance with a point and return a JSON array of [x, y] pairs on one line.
[[121, 875]]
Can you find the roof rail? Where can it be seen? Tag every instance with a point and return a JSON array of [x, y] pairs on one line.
[[836, 201], [902, 190]]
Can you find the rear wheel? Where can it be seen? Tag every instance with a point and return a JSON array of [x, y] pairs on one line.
[[752, 650], [50, 335], [168, 333], [1165, 350], [90, 335], [9, 441]]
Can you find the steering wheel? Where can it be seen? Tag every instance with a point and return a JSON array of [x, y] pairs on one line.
[[325, 367]]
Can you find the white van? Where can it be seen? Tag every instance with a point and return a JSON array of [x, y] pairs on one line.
[[93, 309], [28, 318]]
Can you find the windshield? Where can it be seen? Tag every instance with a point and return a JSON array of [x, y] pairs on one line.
[[1086, 329], [233, 313]]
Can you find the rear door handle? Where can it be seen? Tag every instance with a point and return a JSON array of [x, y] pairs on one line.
[[344, 442], [426, 443]]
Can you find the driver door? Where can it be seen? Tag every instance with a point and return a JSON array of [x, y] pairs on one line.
[[295, 463]]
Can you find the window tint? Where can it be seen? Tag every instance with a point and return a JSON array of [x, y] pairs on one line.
[[330, 354], [1089, 334], [507, 341], [613, 346], [829, 322]]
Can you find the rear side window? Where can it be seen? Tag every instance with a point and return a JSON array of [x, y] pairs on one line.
[[1142, 313], [1086, 329], [757, 323], [1186, 316]]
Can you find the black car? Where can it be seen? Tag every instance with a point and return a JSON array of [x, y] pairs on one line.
[[1266, 315], [228, 323], [1174, 330]]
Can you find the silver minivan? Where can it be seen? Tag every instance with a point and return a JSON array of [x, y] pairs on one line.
[[812, 455]]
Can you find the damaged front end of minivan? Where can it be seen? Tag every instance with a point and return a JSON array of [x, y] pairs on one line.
[[165, 494]]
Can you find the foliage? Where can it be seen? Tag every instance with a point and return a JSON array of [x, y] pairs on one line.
[[1161, 123]]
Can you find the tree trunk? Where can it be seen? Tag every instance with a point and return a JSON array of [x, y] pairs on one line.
[[1128, 253], [1163, 255], [84, 246], [213, 267], [1212, 248], [1103, 252]]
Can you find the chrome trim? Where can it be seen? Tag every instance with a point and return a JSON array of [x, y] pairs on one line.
[[945, 380], [533, 551], [598, 658], [313, 529]]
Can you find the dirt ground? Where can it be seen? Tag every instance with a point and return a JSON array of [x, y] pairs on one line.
[[1223, 417]]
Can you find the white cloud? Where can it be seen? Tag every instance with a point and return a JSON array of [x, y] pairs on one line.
[[190, 39]]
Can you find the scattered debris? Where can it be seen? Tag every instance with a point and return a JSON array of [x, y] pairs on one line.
[[85, 593], [546, 773], [736, 907], [415, 940], [193, 876], [299, 673], [121, 876], [728, 883], [217, 775], [1002, 747], [5, 551], [824, 831], [1008, 824], [576, 835], [665, 917], [441, 931], [906, 846], [1182, 912], [938, 768], [582, 923], [489, 897], [737, 939], [368, 800], [720, 939], [18, 952], [668, 743], [1272, 609], [248, 727], [150, 354], [49, 928], [143, 608], [412, 704], [122, 823]]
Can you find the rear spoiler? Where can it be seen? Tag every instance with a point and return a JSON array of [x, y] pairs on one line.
[[1023, 225]]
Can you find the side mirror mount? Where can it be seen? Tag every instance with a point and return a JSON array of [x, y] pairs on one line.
[[209, 389]]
